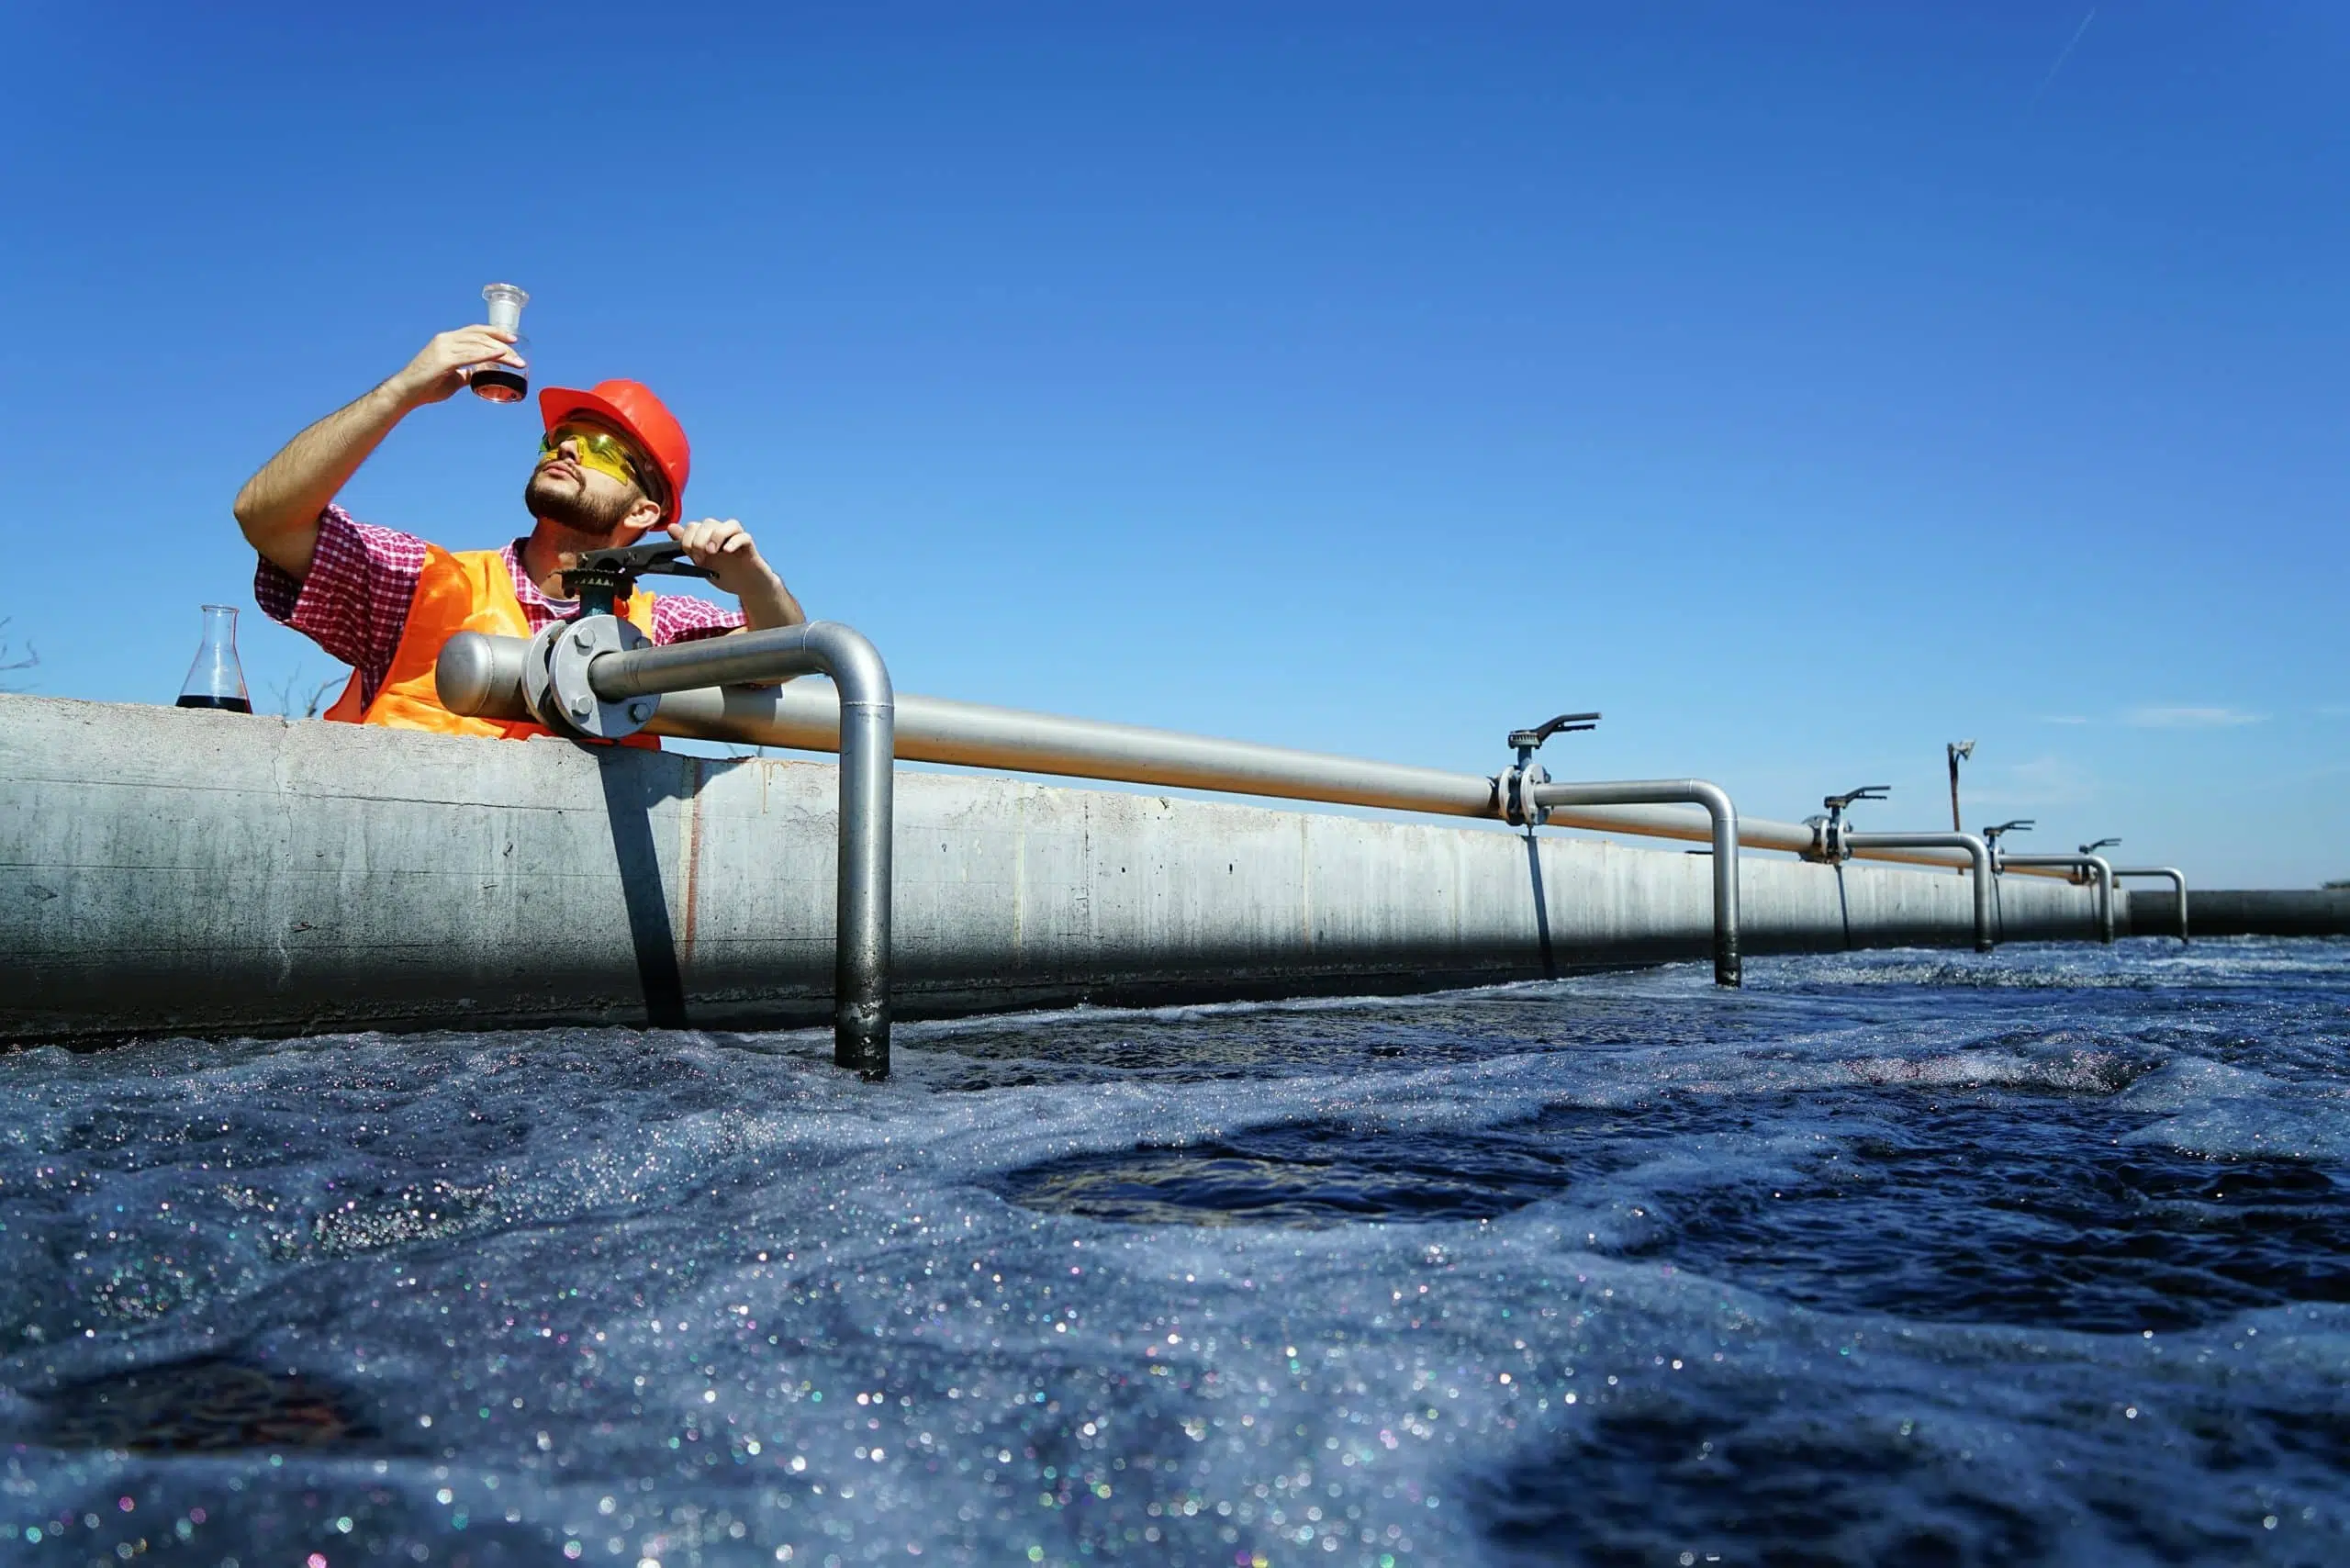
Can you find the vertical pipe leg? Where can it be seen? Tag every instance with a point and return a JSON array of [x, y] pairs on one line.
[[1982, 890], [1675, 791], [861, 951], [2101, 869], [1728, 969]]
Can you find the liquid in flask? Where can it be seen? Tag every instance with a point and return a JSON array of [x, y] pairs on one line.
[[217, 679]]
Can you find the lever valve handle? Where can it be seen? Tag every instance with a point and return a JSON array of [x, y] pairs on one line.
[[660, 557], [1524, 739]]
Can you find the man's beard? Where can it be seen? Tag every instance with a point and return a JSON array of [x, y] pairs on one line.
[[574, 509]]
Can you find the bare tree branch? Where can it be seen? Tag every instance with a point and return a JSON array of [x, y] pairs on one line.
[[31, 657], [311, 703]]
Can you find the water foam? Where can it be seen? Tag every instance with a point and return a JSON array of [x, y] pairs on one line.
[[686, 1297]]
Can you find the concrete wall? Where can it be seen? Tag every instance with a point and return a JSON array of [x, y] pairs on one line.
[[196, 872]]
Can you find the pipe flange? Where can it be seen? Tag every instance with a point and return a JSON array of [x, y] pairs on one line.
[[1517, 792], [538, 687], [1826, 842], [572, 700]]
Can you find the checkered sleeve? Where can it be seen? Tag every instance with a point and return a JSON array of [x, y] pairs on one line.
[[354, 601], [682, 618]]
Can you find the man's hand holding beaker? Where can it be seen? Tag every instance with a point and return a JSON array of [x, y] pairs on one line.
[[439, 369]]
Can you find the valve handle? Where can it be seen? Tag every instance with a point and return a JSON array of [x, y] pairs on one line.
[[660, 557], [1528, 740], [1865, 793], [603, 577]]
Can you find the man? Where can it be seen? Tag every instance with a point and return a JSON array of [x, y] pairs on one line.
[[612, 465]]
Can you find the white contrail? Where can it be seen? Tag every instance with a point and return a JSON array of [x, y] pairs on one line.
[[2065, 54]]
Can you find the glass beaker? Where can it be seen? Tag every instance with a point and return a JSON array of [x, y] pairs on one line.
[[216, 679], [502, 383]]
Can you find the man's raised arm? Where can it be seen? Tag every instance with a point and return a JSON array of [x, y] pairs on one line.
[[279, 506]]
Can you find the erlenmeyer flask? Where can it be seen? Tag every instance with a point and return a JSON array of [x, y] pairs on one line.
[[217, 679]]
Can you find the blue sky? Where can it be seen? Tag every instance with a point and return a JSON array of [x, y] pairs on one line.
[[1803, 387]]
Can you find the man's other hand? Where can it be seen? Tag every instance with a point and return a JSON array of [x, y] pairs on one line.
[[722, 547], [438, 368]]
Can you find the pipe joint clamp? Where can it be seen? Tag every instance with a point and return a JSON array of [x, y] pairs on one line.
[[1515, 789], [556, 684], [1828, 845]]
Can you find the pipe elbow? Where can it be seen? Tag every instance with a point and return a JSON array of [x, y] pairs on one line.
[[1716, 800], [852, 662]]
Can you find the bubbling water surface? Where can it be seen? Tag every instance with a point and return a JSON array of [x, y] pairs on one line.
[[1897, 1258]]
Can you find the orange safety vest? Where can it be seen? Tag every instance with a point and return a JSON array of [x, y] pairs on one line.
[[467, 591]]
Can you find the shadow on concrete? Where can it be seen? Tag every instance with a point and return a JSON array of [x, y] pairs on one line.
[[631, 790]]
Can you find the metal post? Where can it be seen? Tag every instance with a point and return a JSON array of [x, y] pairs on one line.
[[2096, 863], [1960, 751], [1677, 791], [1978, 852]]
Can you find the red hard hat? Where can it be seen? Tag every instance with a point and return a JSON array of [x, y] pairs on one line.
[[631, 408]]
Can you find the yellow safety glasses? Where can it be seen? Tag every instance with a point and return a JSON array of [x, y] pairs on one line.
[[597, 448]]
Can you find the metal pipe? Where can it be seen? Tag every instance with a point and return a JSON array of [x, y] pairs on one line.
[[482, 675], [2096, 863], [865, 726], [2179, 880], [1722, 817], [1976, 851], [486, 681], [973, 735]]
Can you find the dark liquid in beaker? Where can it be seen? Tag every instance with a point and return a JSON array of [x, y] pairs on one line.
[[232, 704], [499, 383]]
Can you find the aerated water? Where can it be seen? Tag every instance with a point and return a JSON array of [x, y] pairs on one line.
[[1887, 1259]]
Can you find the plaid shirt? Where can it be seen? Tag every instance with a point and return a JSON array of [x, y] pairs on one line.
[[354, 602]]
